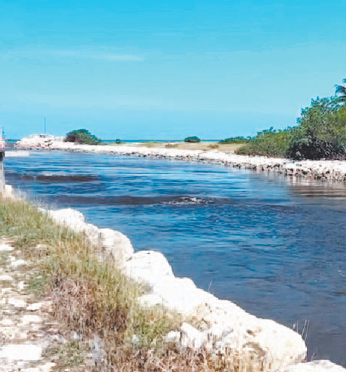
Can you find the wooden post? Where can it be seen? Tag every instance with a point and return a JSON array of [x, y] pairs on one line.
[[2, 156]]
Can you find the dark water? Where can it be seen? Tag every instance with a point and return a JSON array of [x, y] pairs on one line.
[[275, 247]]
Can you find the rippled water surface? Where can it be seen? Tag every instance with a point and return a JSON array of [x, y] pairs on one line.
[[275, 247]]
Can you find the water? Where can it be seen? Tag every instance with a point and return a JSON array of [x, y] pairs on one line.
[[274, 246]]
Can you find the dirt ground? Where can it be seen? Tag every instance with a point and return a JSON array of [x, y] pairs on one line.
[[206, 146]]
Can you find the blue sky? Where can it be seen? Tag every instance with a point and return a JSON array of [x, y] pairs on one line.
[[166, 69]]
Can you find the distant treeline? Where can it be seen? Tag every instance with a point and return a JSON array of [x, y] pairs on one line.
[[320, 134]]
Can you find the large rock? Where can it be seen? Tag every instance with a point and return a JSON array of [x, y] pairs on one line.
[[148, 267], [108, 243], [38, 142], [116, 245], [224, 326], [7, 192], [315, 366], [70, 218]]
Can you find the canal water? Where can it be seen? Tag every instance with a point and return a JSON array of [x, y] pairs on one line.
[[273, 245]]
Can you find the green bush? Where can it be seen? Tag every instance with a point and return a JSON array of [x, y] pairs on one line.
[[320, 134], [192, 139], [82, 136], [270, 142], [321, 131], [234, 140]]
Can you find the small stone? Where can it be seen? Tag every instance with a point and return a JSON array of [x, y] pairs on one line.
[[17, 303], [173, 336], [18, 263], [35, 307], [6, 278], [21, 352], [27, 319], [21, 285], [135, 340], [6, 322], [5, 247]]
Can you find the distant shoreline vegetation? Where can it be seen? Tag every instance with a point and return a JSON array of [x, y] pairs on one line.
[[234, 140], [320, 133], [82, 137]]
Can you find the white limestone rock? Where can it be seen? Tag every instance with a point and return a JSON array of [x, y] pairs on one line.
[[28, 318], [21, 352], [315, 366], [173, 336], [6, 278], [148, 267], [108, 243], [18, 263], [191, 337], [69, 218], [18, 303], [180, 294], [233, 328], [4, 247], [116, 245], [8, 192]]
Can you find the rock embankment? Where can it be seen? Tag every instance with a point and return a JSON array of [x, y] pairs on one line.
[[331, 170], [224, 327]]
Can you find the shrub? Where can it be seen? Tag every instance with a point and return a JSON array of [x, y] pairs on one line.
[[213, 146], [321, 131], [151, 144], [192, 139], [82, 136], [270, 142], [171, 145], [234, 140], [313, 148]]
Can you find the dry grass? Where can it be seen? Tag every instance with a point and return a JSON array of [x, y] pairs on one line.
[[92, 297]]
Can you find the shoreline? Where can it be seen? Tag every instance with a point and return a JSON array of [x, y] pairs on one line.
[[325, 170], [226, 324], [223, 327]]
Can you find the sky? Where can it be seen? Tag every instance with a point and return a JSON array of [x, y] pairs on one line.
[[166, 69]]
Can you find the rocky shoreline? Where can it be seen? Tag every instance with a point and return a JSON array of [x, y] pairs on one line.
[[328, 170], [223, 327]]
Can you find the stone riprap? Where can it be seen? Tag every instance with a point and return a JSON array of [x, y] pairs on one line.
[[224, 327], [332, 170]]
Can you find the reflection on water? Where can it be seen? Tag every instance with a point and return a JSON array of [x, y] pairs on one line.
[[273, 245]]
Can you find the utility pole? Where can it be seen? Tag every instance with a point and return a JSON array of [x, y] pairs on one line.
[[2, 155], [44, 126]]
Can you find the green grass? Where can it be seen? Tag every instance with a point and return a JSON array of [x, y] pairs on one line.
[[90, 296]]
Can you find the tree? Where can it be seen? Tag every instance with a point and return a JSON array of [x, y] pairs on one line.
[[192, 139], [82, 136], [340, 89]]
